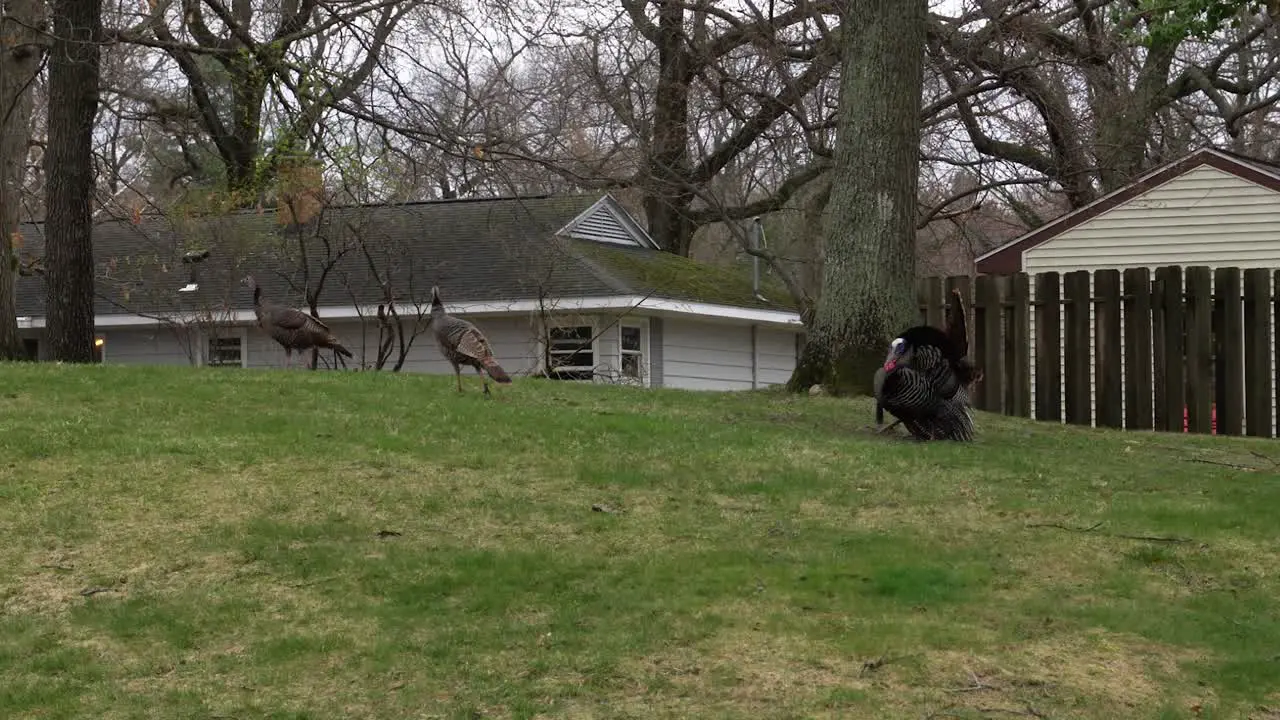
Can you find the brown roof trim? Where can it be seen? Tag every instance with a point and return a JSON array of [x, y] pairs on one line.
[[1008, 259]]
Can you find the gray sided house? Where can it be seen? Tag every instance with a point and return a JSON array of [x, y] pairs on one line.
[[570, 286]]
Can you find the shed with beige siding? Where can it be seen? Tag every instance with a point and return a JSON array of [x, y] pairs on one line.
[[1210, 208]]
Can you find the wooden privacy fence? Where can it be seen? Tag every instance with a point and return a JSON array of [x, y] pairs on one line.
[[1176, 350]]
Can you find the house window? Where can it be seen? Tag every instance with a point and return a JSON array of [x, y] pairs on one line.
[[225, 352], [571, 353], [631, 349]]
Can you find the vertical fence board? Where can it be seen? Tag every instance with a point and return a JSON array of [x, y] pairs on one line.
[[988, 321], [932, 306], [1077, 351], [1228, 335], [1138, 379], [1199, 349], [1048, 346], [1174, 331], [1158, 352], [1108, 357], [1257, 351], [1019, 357], [1275, 307]]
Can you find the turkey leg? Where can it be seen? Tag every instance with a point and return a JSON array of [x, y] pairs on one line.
[[484, 380]]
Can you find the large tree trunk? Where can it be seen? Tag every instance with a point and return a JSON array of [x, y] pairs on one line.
[[868, 288], [667, 192], [20, 51], [68, 167]]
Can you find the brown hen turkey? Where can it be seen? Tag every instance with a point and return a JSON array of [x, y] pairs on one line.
[[462, 343], [293, 329]]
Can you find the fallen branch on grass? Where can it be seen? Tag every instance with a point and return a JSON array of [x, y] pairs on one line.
[[1095, 526], [1234, 466], [952, 712], [977, 684]]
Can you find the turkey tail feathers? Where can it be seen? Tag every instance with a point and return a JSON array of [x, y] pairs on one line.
[[495, 371]]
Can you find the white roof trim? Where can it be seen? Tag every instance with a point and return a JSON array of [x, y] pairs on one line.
[[658, 306], [613, 207], [1141, 178]]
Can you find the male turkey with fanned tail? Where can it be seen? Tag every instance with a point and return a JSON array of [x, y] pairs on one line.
[[462, 343], [925, 380]]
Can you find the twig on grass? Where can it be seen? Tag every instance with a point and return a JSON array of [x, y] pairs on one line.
[[1060, 526], [977, 684], [951, 711], [1095, 526], [1234, 466]]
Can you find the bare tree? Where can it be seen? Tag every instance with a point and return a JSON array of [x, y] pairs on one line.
[[1064, 93], [236, 59]]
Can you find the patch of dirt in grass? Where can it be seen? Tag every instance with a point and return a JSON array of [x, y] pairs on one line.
[[743, 669], [44, 592], [1104, 674]]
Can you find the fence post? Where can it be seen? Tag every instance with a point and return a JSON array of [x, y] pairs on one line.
[[1199, 349], [929, 292], [1138, 381], [1228, 335], [987, 317], [1078, 350], [1107, 355], [1257, 352], [1048, 347], [1173, 388], [1019, 357]]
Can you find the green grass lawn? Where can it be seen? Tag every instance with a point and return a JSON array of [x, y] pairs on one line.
[[182, 543]]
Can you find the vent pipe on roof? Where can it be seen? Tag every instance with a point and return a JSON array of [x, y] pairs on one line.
[[757, 242]]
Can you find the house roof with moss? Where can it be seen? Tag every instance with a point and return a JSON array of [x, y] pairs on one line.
[[539, 248]]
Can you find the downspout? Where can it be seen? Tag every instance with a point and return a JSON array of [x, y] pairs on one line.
[[755, 357], [757, 241]]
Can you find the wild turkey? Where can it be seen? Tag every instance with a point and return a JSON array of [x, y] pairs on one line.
[[462, 343], [926, 378], [293, 329]]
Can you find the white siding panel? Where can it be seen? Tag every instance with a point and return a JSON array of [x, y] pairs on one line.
[[1205, 217], [513, 341], [144, 346], [776, 356], [706, 356]]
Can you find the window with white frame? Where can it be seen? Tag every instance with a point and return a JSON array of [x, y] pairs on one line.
[[631, 351], [224, 351], [570, 353]]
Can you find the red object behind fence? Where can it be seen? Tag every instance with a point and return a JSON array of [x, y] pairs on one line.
[[1213, 419]]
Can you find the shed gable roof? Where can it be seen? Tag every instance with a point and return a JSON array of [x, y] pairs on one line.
[[1008, 257]]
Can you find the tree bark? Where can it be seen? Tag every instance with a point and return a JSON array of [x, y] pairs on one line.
[[20, 52], [868, 288], [68, 166], [668, 194]]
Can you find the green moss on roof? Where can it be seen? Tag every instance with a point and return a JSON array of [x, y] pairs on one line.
[[680, 278]]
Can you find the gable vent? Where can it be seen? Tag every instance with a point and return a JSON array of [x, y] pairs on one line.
[[600, 225]]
